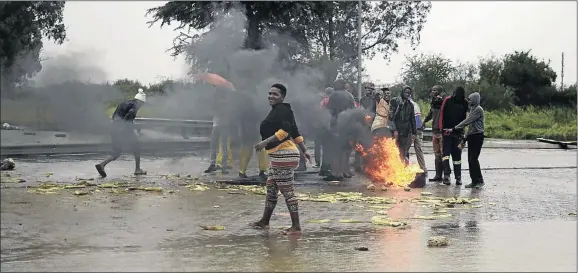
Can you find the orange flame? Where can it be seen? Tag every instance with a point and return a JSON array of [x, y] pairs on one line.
[[383, 163]]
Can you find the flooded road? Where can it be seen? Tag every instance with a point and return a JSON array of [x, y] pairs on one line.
[[524, 221]]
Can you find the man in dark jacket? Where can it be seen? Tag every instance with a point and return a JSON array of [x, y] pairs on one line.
[[403, 116], [453, 111], [339, 101], [123, 132], [434, 116]]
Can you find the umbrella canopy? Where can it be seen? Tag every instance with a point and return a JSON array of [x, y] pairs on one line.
[[215, 79]]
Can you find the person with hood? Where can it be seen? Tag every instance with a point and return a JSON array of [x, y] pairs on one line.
[[402, 114], [453, 111], [434, 116], [382, 126], [284, 145], [474, 138], [339, 101], [418, 142], [123, 132]]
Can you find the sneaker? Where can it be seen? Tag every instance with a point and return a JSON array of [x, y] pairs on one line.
[[242, 175], [480, 185], [471, 185], [436, 179], [211, 168], [139, 172]]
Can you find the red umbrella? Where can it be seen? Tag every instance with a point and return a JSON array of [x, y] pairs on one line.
[[214, 79]]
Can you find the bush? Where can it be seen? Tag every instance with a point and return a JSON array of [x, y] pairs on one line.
[[527, 123]]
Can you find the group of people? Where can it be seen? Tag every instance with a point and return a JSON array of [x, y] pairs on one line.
[[400, 118], [283, 146]]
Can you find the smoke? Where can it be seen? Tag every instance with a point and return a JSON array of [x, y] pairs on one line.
[[58, 97], [252, 73], [69, 67], [352, 127]]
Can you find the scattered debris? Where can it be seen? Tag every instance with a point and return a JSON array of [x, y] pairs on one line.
[[371, 187], [197, 187], [318, 221], [80, 193], [362, 248], [437, 241], [407, 189], [216, 207], [572, 214], [156, 189], [385, 221], [350, 221], [7, 164], [6, 126], [433, 217], [213, 227], [425, 193], [383, 188]]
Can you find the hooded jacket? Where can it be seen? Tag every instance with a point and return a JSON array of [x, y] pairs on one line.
[[476, 119], [401, 112], [454, 110]]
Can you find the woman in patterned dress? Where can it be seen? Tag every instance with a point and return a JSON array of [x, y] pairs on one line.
[[282, 142]]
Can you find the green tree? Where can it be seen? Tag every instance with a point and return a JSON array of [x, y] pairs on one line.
[[23, 25], [530, 79], [423, 71]]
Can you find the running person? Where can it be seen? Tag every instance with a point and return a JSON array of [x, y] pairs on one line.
[[123, 132]]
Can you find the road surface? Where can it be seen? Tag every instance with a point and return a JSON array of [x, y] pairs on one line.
[[523, 221]]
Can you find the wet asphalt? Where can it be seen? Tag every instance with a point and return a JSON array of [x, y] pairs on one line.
[[522, 222]]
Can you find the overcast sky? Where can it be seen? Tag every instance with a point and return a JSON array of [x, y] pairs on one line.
[[120, 42]]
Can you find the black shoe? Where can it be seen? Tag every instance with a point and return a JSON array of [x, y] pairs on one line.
[[324, 173], [436, 179], [447, 180], [140, 172], [458, 181], [480, 185], [333, 178], [242, 175], [263, 175], [471, 185], [211, 168], [100, 170]]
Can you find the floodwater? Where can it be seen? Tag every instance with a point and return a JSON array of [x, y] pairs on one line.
[[523, 222]]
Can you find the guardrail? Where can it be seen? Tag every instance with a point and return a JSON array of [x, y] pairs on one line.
[[188, 127], [200, 127]]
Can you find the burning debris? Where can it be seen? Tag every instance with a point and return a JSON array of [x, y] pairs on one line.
[[383, 164], [437, 241]]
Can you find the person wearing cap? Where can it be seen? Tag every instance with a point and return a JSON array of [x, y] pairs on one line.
[[123, 132]]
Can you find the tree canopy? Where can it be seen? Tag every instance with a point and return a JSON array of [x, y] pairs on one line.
[[315, 32], [23, 25]]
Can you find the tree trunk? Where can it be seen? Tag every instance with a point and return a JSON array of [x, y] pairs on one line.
[[330, 31], [253, 38]]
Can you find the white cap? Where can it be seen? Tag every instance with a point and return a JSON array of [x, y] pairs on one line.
[[140, 95]]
